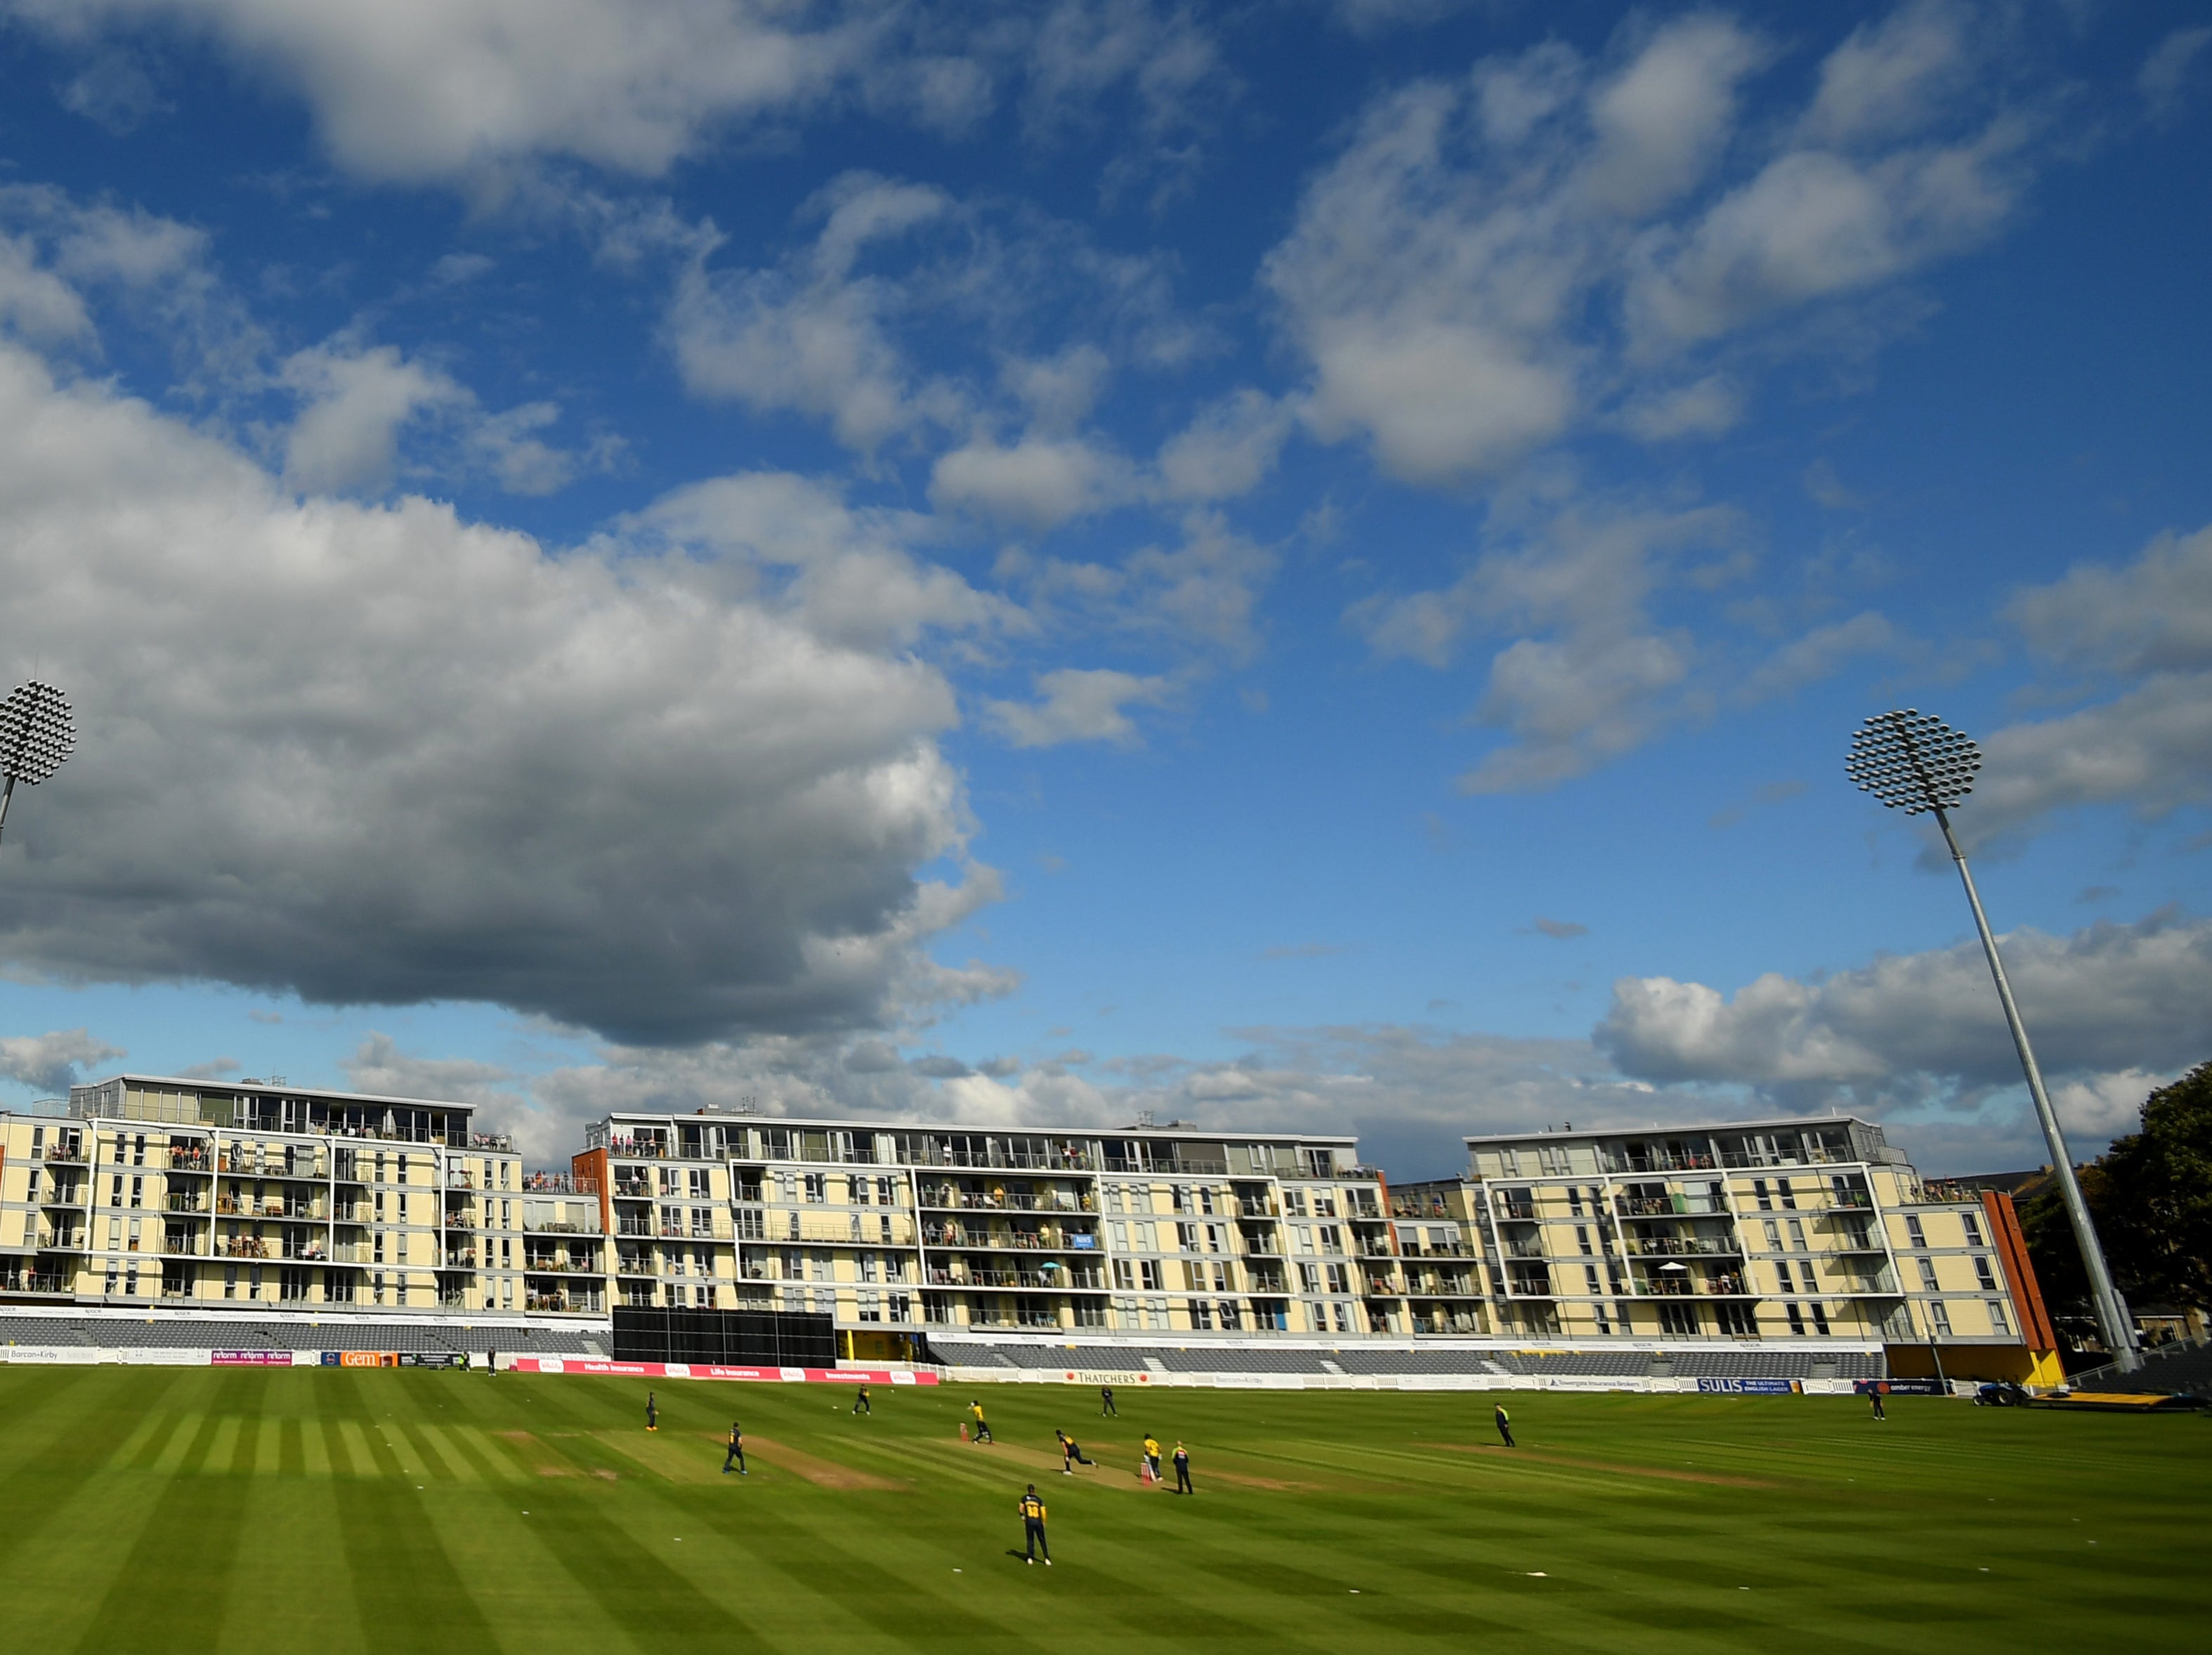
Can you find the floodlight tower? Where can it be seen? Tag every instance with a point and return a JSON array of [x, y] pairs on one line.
[[1920, 765], [35, 737]]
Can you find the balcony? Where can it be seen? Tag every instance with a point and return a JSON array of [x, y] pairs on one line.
[[1683, 1247], [193, 1203], [64, 1154], [191, 1160], [1042, 1241], [950, 1198], [70, 1195], [566, 1303], [1033, 1280]]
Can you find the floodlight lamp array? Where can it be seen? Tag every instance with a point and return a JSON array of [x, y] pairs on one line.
[[36, 734], [1914, 761]]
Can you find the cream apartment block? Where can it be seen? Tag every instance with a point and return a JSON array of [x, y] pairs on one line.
[[1789, 1230], [173, 1193], [899, 1230]]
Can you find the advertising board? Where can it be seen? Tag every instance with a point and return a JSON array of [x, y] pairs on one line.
[[250, 1359], [1752, 1387]]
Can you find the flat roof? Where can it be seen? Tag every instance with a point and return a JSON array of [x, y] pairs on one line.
[[1789, 1123], [182, 1083], [848, 1123]]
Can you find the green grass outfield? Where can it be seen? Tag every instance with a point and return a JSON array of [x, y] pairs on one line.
[[177, 1509]]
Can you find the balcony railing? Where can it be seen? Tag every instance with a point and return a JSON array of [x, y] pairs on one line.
[[947, 1198], [1035, 1280], [1683, 1247], [1044, 1241]]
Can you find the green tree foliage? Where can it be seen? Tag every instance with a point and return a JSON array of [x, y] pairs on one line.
[[2151, 1196]]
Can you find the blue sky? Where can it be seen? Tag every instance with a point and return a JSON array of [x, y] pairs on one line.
[[1307, 563]]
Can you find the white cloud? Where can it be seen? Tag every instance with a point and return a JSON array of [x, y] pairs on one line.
[[812, 336], [52, 1063], [1818, 655], [1889, 78], [2106, 1003], [415, 90], [347, 434], [1226, 449], [848, 575], [376, 754], [1589, 673], [2154, 615], [1494, 263], [2164, 78], [1660, 121], [1080, 704], [1813, 225], [1039, 483], [2147, 625], [356, 401]]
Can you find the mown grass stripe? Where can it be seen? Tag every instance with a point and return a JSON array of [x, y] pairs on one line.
[[180, 1443], [360, 1462], [454, 1463], [268, 1448], [314, 1453], [496, 1459], [221, 1450]]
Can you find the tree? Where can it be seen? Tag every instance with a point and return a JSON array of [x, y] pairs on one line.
[[2151, 1196]]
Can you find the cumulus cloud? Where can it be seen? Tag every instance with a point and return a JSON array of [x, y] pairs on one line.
[[2164, 79], [414, 90], [1819, 653], [1495, 261], [376, 754], [847, 575], [1590, 672], [2144, 628], [355, 402], [1080, 704], [52, 1063], [1037, 483], [2108, 1003], [1226, 449], [812, 336]]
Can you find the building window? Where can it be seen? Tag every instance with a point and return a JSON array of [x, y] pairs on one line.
[[1999, 1323], [1820, 1317], [1939, 1317], [1678, 1319], [1773, 1237], [1973, 1229], [817, 1187], [1763, 1195], [1928, 1275], [1589, 1274], [1796, 1319], [1914, 1233], [1797, 1236], [1982, 1275], [1782, 1274], [1735, 1321], [1582, 1236]]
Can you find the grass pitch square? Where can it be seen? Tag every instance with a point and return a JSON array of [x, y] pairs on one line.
[[186, 1509]]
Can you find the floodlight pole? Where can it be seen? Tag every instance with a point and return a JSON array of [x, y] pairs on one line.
[[6, 794], [2114, 1324]]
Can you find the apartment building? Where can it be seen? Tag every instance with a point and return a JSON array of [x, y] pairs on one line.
[[1795, 1229], [175, 1193], [899, 1230]]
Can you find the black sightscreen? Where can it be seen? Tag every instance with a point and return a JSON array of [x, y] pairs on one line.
[[737, 1338]]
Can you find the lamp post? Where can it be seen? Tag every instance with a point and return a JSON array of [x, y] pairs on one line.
[[1918, 764], [35, 737]]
